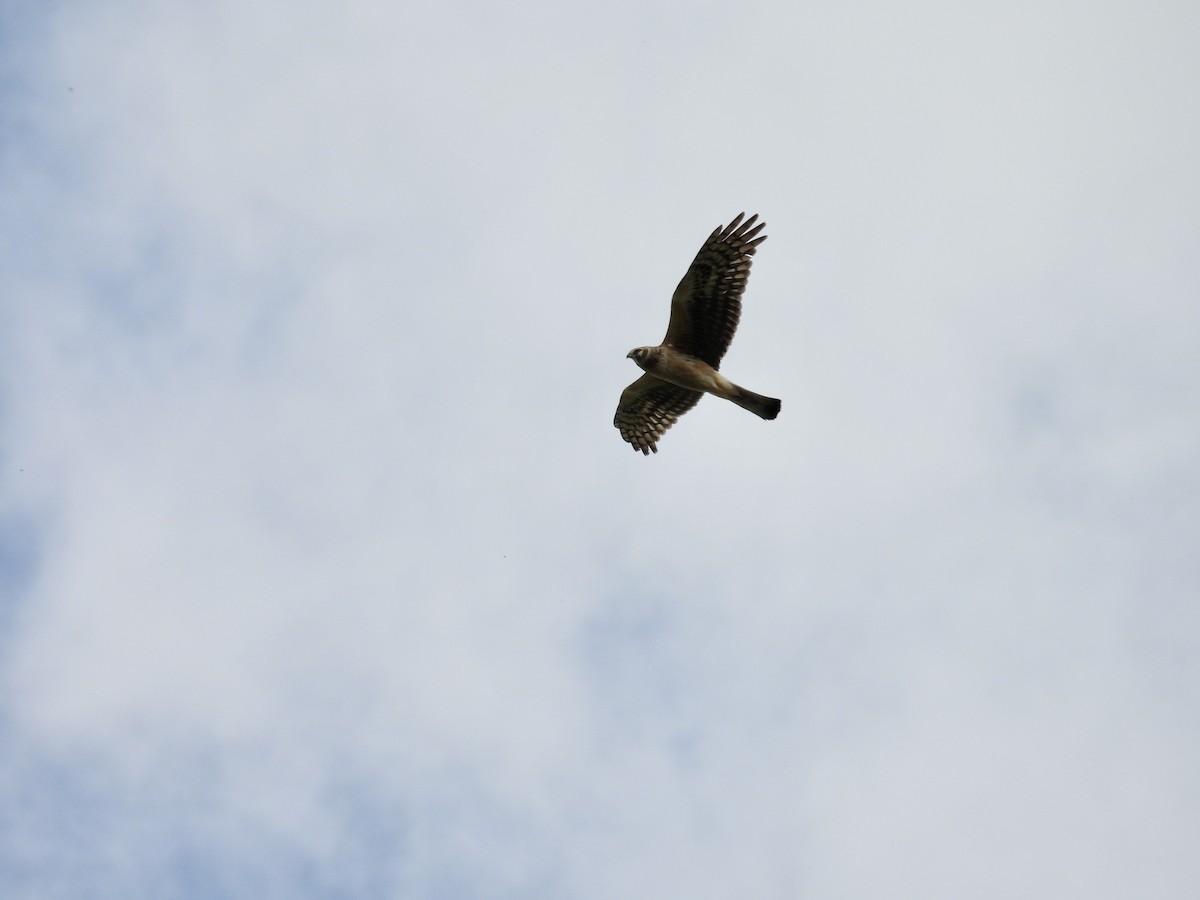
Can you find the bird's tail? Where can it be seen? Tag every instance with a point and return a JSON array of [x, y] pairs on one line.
[[763, 407]]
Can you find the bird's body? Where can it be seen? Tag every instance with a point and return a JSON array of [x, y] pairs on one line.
[[705, 310], [694, 374]]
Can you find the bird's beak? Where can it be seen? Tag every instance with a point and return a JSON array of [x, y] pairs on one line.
[[629, 355]]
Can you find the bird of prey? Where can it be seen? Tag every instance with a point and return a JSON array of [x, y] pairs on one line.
[[704, 314]]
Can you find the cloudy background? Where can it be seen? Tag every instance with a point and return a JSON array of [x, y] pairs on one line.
[[323, 572]]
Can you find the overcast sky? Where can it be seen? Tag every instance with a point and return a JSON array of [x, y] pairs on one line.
[[323, 572]]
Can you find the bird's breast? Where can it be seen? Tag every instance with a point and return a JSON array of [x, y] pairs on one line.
[[686, 371]]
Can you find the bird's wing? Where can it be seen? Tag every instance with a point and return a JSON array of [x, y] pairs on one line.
[[648, 408], [708, 302]]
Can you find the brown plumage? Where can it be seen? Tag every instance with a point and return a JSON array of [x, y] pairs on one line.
[[705, 310]]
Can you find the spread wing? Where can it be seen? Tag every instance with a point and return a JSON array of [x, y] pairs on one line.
[[708, 302], [648, 408]]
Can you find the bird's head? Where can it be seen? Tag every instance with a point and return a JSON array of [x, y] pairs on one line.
[[641, 355]]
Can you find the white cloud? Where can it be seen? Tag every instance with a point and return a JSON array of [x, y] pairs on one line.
[[329, 576]]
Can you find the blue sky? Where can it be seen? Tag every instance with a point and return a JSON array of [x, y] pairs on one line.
[[324, 573]]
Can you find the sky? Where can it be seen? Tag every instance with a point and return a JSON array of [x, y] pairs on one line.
[[323, 572]]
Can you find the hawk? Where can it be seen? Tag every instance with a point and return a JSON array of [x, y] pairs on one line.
[[704, 314]]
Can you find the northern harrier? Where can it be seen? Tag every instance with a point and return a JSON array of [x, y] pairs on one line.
[[704, 314]]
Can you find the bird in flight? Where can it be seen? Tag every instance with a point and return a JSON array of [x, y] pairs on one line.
[[704, 315]]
